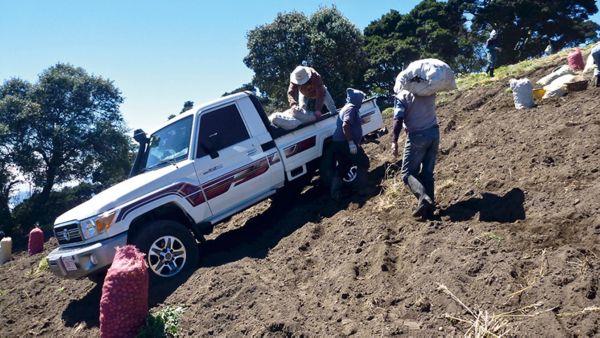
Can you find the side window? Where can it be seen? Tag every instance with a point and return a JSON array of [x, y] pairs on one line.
[[220, 129]]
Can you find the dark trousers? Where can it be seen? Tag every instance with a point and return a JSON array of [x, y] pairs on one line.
[[418, 163]]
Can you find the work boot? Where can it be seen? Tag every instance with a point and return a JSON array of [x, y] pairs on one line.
[[424, 210]]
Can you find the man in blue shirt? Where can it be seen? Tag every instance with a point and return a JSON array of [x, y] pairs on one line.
[[492, 48], [418, 116], [352, 161]]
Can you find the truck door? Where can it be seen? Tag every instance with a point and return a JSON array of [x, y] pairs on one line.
[[231, 166]]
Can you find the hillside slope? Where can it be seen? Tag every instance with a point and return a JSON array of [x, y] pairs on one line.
[[517, 238]]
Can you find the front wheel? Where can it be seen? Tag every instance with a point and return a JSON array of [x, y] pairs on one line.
[[170, 249]]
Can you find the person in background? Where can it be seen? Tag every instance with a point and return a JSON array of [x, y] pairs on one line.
[[492, 48], [417, 114], [306, 89], [549, 50], [346, 146], [596, 56]]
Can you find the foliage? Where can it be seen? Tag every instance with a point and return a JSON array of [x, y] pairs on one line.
[[162, 323], [66, 126], [431, 29], [187, 105], [526, 27], [32, 211], [326, 40]]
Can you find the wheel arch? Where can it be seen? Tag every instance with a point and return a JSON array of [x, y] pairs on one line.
[[169, 211]]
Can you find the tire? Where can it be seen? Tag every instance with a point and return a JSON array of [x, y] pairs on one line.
[[327, 168], [170, 248]]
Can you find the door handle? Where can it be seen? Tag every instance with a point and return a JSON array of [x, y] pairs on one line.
[[213, 169]]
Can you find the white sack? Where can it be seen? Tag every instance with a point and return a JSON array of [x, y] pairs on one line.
[[563, 70], [303, 115], [558, 86], [285, 120], [426, 77], [589, 65], [522, 90]]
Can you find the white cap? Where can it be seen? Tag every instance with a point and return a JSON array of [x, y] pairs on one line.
[[300, 75]]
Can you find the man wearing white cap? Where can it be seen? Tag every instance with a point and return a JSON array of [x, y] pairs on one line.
[[306, 87]]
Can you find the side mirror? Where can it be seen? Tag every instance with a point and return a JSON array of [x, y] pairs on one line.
[[140, 136]]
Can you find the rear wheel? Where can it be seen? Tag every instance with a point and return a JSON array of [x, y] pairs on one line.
[[327, 168], [170, 249]]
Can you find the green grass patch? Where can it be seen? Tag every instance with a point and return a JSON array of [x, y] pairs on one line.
[[162, 322], [42, 266], [388, 112], [468, 81]]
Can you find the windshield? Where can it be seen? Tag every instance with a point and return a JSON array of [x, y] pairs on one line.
[[170, 144]]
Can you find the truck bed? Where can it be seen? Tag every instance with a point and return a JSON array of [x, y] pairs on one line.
[[277, 132]]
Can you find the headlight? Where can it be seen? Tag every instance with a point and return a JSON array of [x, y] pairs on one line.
[[96, 225]]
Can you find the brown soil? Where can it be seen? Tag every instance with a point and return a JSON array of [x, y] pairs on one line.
[[518, 233]]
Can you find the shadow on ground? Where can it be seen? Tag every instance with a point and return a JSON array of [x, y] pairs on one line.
[[261, 233], [254, 239], [491, 208], [87, 309]]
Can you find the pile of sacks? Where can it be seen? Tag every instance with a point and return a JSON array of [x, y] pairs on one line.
[[292, 118], [559, 82], [567, 77]]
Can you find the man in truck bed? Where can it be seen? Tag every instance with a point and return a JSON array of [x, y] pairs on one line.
[[306, 84]]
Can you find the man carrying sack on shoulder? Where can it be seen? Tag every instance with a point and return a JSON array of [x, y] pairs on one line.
[[306, 92], [418, 116]]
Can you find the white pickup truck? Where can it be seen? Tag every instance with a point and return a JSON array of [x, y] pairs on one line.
[[196, 170]]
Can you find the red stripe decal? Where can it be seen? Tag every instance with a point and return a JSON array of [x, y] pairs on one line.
[[300, 146]]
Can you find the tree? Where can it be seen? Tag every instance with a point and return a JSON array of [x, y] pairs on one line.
[[431, 29], [327, 41], [245, 87], [12, 100], [526, 26], [67, 126], [187, 105]]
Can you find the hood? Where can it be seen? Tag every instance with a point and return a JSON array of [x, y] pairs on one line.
[[355, 97], [126, 191]]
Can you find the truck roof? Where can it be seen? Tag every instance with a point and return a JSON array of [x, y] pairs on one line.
[[204, 106]]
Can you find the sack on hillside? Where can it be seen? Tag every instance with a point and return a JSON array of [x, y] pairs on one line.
[[558, 87], [575, 60], [560, 71], [426, 77], [285, 120], [590, 66], [124, 301], [36, 241], [522, 90]]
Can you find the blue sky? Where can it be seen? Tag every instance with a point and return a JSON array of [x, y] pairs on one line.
[[158, 53]]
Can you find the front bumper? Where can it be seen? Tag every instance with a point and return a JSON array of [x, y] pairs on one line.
[[87, 259]]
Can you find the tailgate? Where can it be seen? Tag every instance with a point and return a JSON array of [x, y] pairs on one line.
[[371, 116]]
